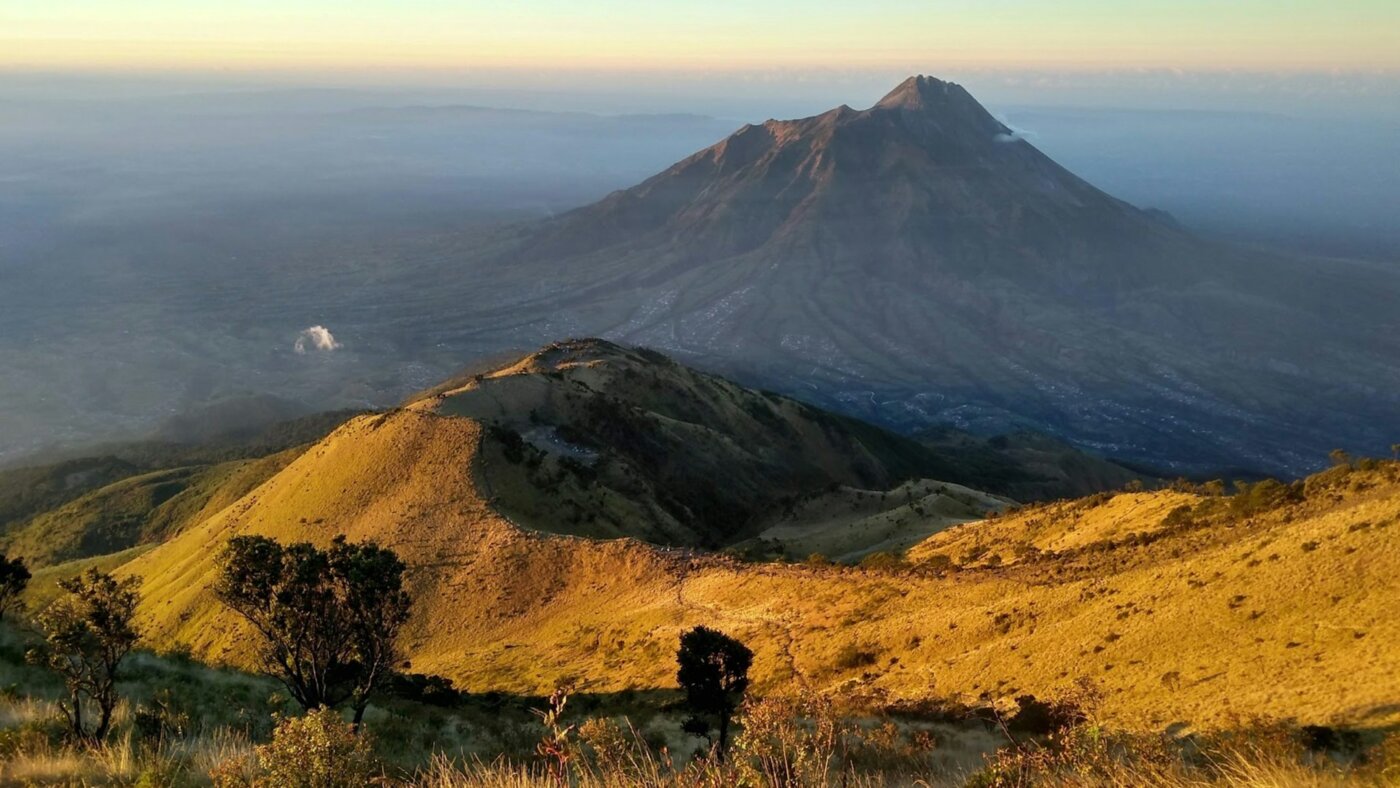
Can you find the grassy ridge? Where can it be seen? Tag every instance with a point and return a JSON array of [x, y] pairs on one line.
[[1167, 614]]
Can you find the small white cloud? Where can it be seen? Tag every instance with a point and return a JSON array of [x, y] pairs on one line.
[[315, 338], [1012, 133]]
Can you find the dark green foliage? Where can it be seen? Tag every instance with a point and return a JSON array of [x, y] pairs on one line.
[[25, 492], [1264, 496], [160, 719], [138, 510], [329, 618], [14, 576], [512, 445], [1180, 517], [1041, 718], [851, 657], [424, 688], [714, 672], [1325, 738], [882, 561], [87, 633]]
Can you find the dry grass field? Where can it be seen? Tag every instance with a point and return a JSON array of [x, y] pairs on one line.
[[1181, 607]]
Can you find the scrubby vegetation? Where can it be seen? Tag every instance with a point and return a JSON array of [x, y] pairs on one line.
[[184, 724], [166, 720]]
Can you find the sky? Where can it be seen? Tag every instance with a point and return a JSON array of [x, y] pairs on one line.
[[697, 35]]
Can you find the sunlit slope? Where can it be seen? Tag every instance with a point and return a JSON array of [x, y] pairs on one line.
[[142, 509], [407, 480], [1284, 610]]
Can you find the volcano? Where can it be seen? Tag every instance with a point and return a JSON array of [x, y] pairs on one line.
[[919, 262]]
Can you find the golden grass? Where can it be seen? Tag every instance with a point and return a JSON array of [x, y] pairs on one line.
[[781, 742], [1286, 612]]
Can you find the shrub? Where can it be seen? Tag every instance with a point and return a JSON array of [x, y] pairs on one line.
[[852, 656], [424, 688], [319, 750], [87, 634], [881, 561], [160, 720], [1041, 717], [788, 741], [512, 445], [609, 746], [939, 562]]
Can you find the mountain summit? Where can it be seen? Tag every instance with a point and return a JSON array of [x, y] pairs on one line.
[[923, 93], [918, 262], [925, 181]]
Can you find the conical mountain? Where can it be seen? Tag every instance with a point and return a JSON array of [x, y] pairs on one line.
[[926, 181], [918, 262]]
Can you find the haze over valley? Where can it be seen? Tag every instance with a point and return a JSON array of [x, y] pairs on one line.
[[163, 245]]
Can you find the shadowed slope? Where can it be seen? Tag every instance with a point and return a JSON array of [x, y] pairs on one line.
[[594, 439]]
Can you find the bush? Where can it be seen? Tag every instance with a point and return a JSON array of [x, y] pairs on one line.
[[788, 741], [160, 720], [881, 561], [424, 688], [939, 562], [852, 656], [1041, 718], [320, 750], [88, 633]]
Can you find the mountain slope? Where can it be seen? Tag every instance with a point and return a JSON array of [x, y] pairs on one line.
[[1281, 606], [917, 263], [584, 437], [591, 438], [142, 509]]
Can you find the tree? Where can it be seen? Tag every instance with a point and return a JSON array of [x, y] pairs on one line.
[[714, 672], [329, 618], [14, 576], [376, 607], [88, 632]]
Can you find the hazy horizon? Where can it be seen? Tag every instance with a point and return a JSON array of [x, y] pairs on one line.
[[696, 35]]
